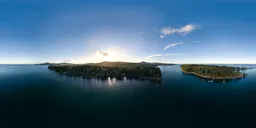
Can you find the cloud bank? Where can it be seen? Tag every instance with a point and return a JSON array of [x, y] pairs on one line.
[[182, 31]]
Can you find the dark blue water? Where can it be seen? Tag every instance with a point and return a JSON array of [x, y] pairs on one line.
[[34, 96]]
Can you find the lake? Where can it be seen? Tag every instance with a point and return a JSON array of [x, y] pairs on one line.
[[35, 96]]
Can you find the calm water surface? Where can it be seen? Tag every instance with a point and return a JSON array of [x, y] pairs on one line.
[[33, 95]]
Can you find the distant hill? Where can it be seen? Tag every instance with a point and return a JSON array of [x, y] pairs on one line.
[[113, 64], [48, 63], [158, 63], [118, 63]]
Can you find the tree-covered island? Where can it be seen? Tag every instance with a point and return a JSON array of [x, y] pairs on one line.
[[111, 69], [48, 63], [213, 71]]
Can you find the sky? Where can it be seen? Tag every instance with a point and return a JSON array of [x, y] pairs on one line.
[[82, 31]]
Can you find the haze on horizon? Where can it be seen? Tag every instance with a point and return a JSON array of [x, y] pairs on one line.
[[184, 31]]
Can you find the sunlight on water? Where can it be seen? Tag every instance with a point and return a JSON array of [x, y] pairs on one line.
[[111, 82]]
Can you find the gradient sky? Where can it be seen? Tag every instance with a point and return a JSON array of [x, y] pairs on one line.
[[184, 31]]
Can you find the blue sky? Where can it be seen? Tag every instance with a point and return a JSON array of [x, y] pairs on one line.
[[184, 31]]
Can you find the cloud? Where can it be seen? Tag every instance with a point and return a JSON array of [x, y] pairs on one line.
[[172, 45], [103, 53], [162, 36], [182, 30], [159, 55], [187, 29]]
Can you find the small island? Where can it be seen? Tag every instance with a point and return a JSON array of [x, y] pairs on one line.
[[111, 69], [48, 63], [213, 71]]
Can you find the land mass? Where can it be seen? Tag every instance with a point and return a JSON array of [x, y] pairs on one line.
[[111, 69], [48, 63], [213, 71]]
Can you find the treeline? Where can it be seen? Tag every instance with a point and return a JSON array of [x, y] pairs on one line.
[[213, 70], [99, 71]]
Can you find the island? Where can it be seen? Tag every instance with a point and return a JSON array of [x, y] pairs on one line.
[[214, 71], [45, 63], [111, 69], [48, 63]]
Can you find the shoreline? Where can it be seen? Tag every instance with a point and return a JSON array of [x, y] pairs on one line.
[[110, 69], [90, 77], [218, 78]]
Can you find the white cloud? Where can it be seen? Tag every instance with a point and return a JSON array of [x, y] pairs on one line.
[[172, 45], [162, 36], [159, 55], [187, 29], [182, 31]]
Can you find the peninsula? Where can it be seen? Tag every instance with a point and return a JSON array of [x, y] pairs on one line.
[[213, 71], [111, 69]]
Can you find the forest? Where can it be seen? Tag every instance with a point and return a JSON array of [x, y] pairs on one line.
[[109, 69], [213, 71]]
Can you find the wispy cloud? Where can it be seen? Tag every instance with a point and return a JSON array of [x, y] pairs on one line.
[[172, 45], [182, 30], [159, 55]]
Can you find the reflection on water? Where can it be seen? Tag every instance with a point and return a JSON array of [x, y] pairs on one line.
[[210, 80], [99, 82], [111, 82], [108, 82]]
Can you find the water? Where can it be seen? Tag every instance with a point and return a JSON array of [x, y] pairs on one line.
[[34, 96]]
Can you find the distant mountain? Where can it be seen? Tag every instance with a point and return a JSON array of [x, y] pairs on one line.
[[120, 63], [156, 63], [113, 64], [48, 63]]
